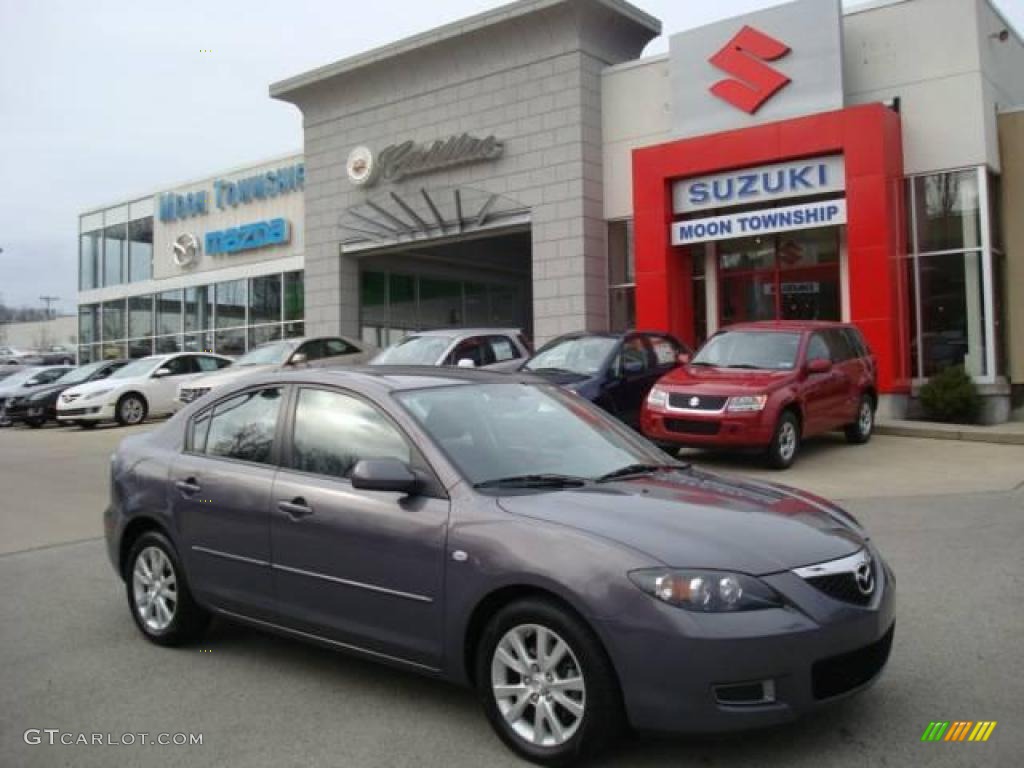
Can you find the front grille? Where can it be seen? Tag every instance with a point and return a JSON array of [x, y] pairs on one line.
[[841, 586], [704, 402], [74, 412], [190, 395], [839, 674], [685, 427]]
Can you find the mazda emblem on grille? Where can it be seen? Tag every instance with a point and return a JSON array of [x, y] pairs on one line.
[[865, 577]]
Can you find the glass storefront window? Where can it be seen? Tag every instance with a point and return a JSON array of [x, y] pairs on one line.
[[198, 308], [112, 350], [440, 303], [140, 348], [262, 334], [952, 312], [88, 330], [294, 296], [165, 345], [199, 342], [140, 250], [231, 342], [294, 330], [402, 301], [113, 320], [621, 275], [623, 308], [947, 212], [89, 244], [115, 240], [265, 300], [230, 300], [168, 312], [140, 316]]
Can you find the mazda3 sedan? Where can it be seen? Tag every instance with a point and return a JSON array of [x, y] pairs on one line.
[[500, 532]]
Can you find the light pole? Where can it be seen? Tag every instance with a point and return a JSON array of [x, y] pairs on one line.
[[48, 300]]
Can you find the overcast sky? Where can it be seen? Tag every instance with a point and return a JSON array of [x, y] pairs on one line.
[[104, 99]]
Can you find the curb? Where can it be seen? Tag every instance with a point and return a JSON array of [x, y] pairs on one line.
[[967, 434]]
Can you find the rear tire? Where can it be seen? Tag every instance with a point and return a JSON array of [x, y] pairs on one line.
[[860, 431], [785, 443], [131, 410], [565, 702], [158, 594]]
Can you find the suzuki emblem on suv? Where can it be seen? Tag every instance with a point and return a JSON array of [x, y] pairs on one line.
[[744, 57]]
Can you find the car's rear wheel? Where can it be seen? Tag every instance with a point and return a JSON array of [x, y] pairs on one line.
[[546, 684], [158, 594], [131, 410], [785, 443], [860, 431]]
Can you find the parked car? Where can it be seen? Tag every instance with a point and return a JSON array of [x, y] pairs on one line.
[[144, 387], [55, 355], [276, 355], [13, 355], [7, 371], [493, 348], [493, 530], [41, 406], [613, 370], [768, 386], [19, 387]]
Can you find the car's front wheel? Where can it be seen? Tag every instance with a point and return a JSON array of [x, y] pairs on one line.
[[131, 410], [546, 684], [36, 421], [860, 431], [785, 441], [158, 593]]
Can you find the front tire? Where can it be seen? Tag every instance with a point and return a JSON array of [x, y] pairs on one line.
[[860, 431], [158, 595], [546, 685], [131, 410], [785, 443], [37, 422]]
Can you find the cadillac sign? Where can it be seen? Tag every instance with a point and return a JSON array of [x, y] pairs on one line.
[[401, 161]]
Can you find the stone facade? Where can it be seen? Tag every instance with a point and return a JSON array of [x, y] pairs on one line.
[[529, 73]]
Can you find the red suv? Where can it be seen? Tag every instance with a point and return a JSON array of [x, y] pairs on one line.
[[767, 386]]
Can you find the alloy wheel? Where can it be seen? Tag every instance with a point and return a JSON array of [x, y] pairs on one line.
[[865, 421], [538, 685], [787, 440], [155, 589], [132, 410]]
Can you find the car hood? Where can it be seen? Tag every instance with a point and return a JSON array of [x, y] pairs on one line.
[[55, 388], [692, 519], [20, 391], [95, 386], [561, 378], [215, 379], [700, 379]]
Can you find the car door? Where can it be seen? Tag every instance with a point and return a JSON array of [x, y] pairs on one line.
[[221, 486], [160, 390], [631, 377], [337, 352], [359, 567], [849, 374], [822, 391]]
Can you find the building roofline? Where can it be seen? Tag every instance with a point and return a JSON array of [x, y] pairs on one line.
[[454, 29]]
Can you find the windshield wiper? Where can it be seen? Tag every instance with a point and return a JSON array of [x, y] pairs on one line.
[[703, 362], [533, 481], [746, 366], [636, 470]]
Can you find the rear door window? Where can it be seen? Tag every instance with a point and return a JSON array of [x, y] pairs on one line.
[[179, 366], [666, 351], [475, 348], [839, 345], [856, 341], [337, 348], [208, 363], [503, 348]]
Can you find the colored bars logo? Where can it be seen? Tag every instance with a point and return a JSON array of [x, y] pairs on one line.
[[744, 58], [959, 730]]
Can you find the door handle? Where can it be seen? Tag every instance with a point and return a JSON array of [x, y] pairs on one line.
[[188, 487], [296, 508]]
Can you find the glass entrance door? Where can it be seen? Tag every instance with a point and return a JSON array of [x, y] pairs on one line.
[[791, 276]]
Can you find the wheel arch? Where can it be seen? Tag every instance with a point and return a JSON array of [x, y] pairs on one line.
[[132, 531]]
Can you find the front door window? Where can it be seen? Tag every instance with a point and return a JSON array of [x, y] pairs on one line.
[[790, 276]]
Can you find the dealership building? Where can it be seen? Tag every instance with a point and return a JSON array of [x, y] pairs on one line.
[[528, 167]]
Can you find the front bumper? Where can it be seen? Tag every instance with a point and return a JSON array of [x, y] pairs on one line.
[[708, 429], [27, 410], [79, 411], [676, 677]]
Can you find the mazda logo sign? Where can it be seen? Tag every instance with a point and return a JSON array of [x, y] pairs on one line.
[[184, 250], [361, 167], [865, 577]]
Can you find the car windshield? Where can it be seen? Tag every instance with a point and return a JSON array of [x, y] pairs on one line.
[[515, 431], [767, 350], [584, 355], [142, 367], [415, 350], [83, 373], [275, 353]]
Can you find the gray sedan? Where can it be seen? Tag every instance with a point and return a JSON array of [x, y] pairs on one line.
[[498, 532]]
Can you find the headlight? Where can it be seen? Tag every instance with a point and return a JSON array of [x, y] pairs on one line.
[[98, 393], [747, 403], [657, 398], [706, 591]]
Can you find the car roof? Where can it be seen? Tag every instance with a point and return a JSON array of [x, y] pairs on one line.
[[451, 332], [786, 325]]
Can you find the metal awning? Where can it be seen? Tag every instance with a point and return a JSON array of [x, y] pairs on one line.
[[413, 216]]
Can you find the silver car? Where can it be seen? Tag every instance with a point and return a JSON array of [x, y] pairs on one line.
[[499, 349]]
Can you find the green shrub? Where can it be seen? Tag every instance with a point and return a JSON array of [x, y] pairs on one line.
[[951, 396]]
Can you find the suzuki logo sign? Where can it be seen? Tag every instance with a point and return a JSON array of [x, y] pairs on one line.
[[754, 82]]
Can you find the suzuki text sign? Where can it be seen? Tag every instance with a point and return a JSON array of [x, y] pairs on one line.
[[769, 65], [763, 184], [763, 222]]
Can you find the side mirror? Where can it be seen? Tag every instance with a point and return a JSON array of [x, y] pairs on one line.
[[298, 358], [819, 365], [465, 362], [389, 475], [161, 373], [683, 358]]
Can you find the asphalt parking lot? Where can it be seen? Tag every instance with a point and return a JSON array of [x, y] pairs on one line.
[[949, 516]]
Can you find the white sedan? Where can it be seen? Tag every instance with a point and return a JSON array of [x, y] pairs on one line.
[[145, 387]]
